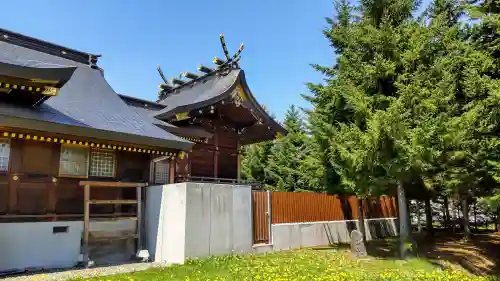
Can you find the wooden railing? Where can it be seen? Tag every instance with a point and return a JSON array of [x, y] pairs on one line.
[[87, 185]]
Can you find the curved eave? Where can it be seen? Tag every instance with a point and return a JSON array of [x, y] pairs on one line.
[[256, 106], [166, 113], [56, 77], [87, 132], [251, 101]]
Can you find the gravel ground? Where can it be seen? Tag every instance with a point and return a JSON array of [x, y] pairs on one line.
[[83, 273]]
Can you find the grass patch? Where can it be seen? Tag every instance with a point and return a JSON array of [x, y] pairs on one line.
[[304, 264]]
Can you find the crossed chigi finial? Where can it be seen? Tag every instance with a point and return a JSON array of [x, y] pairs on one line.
[[228, 62]]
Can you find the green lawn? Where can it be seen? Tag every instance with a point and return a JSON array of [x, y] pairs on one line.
[[305, 264]]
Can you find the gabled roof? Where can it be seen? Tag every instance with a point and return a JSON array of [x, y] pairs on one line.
[[205, 91], [211, 89], [36, 44], [86, 106], [186, 99], [148, 109]]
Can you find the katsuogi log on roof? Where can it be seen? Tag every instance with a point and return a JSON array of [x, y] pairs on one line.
[[219, 94]]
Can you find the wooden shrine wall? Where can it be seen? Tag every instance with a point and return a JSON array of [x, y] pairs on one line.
[[39, 190], [206, 161]]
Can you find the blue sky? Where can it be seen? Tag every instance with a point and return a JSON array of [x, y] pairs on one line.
[[281, 39]]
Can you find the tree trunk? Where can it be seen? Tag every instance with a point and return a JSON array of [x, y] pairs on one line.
[[403, 222], [428, 217], [361, 219], [454, 217], [465, 211], [496, 223], [475, 216], [419, 222], [408, 214], [446, 212], [496, 219]]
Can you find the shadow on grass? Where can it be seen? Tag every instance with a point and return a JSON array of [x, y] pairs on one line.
[[480, 255], [331, 247]]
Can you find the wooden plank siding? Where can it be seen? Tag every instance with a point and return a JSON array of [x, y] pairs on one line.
[[215, 159], [260, 217], [33, 186], [296, 207]]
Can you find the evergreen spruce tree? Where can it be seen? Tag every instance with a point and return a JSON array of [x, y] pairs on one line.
[[288, 154], [254, 161], [368, 40], [484, 109], [329, 105]]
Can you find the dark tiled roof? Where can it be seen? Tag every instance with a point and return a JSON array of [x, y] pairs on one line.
[[137, 102], [47, 47], [211, 89], [203, 92], [148, 109], [86, 101], [58, 75]]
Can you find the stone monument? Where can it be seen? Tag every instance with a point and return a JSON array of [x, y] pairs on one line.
[[358, 248]]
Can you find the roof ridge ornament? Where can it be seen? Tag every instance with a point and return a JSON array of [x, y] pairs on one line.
[[223, 68], [230, 61]]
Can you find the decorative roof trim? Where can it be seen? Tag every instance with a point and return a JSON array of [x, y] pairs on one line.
[[48, 48], [44, 137], [177, 88], [259, 108], [91, 133], [223, 67], [240, 80], [195, 106], [142, 101], [39, 83]]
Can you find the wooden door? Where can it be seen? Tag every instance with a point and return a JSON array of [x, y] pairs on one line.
[[38, 165], [260, 217]]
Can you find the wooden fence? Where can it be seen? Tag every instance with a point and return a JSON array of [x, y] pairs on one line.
[[296, 207], [293, 207]]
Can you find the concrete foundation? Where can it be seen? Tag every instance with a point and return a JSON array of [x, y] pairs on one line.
[[26, 245], [188, 220], [44, 245], [298, 235]]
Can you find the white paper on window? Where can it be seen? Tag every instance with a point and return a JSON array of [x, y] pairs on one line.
[[74, 161], [4, 155]]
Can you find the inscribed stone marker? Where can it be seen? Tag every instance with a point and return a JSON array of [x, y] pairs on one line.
[[357, 246]]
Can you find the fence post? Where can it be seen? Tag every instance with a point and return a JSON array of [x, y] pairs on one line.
[[269, 218]]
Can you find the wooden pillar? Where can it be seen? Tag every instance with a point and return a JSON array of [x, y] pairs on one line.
[[171, 173], [86, 219], [238, 160], [216, 155], [52, 187], [139, 218], [13, 187], [14, 169], [152, 171]]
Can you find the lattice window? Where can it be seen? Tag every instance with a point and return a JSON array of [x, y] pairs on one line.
[[102, 162], [161, 172], [4, 155], [74, 161]]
